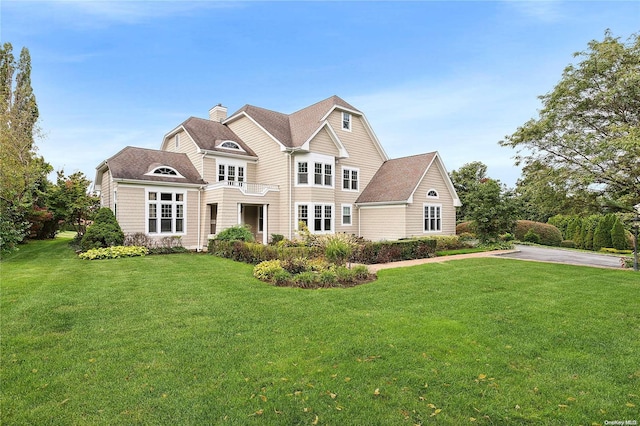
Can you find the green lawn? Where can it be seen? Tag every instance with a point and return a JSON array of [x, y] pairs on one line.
[[193, 339]]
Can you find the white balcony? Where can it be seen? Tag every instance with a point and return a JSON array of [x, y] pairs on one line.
[[246, 188]]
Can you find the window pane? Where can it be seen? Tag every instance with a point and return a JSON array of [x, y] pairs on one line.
[[166, 196], [318, 174], [240, 174], [354, 180], [165, 210], [152, 211], [165, 225], [153, 223], [327, 175], [179, 197], [179, 210], [327, 218], [179, 225], [231, 172], [153, 196], [221, 172]]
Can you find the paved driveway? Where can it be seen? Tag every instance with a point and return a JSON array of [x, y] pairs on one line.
[[548, 254]]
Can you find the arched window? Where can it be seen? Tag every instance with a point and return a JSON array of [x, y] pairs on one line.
[[167, 171], [432, 193], [230, 145]]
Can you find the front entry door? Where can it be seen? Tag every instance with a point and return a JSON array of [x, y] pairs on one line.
[[213, 218]]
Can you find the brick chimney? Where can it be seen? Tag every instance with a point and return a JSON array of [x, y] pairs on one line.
[[218, 113]]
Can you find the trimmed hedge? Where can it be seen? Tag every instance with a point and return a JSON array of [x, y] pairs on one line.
[[113, 252], [392, 251], [255, 253], [549, 234]]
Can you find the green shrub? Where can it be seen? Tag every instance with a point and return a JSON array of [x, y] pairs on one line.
[[104, 232], [391, 251], [235, 233], [465, 228], [267, 270], [568, 244], [328, 278], [532, 237], [345, 275], [337, 251], [361, 272], [549, 234], [113, 252], [282, 278], [602, 234], [306, 279], [619, 239], [276, 238], [507, 237]]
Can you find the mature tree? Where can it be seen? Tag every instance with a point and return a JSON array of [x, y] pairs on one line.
[[543, 193], [465, 181], [491, 208], [22, 172], [71, 201], [588, 130]]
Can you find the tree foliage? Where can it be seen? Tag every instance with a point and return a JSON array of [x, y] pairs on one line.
[[491, 209], [22, 172], [588, 130], [71, 201], [466, 180]]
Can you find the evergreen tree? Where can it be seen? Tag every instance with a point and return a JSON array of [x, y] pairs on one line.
[[577, 233], [618, 236]]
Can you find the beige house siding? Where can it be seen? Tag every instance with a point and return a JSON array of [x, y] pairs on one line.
[[187, 146], [415, 212], [323, 144], [130, 208], [106, 192], [382, 222]]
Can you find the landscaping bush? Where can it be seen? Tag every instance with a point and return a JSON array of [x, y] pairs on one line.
[[549, 234], [391, 251], [602, 234], [113, 252], [235, 233], [255, 253], [465, 228], [568, 244], [532, 237], [104, 232], [266, 271], [619, 239], [337, 251]]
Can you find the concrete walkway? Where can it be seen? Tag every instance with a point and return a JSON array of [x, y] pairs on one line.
[[403, 263]]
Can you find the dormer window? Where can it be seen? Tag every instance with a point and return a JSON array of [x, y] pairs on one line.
[[230, 145], [165, 171], [432, 193], [346, 121]]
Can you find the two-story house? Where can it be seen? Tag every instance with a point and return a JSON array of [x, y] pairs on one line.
[[322, 165]]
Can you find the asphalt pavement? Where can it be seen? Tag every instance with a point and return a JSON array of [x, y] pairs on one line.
[[556, 255]]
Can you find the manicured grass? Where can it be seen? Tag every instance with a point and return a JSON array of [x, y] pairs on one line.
[[192, 339]]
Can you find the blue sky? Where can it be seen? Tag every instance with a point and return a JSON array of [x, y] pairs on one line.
[[455, 77]]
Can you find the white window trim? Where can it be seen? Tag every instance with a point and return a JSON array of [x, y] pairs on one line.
[[158, 203], [153, 172], [311, 159], [356, 169], [342, 206], [177, 140], [439, 207], [239, 148], [349, 119], [433, 197], [311, 207], [230, 162]]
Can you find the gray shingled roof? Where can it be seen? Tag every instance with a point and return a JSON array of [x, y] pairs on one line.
[[396, 179], [134, 163], [295, 129], [208, 134]]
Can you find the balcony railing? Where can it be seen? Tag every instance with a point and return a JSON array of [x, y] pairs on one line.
[[246, 188]]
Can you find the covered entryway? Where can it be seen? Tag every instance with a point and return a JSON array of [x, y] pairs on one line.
[[255, 216]]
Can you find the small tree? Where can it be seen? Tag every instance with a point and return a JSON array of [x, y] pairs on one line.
[[104, 232], [491, 209], [602, 233], [619, 239]]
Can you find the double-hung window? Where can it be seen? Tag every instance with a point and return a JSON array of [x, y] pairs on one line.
[[322, 219], [346, 214], [230, 173], [303, 173], [350, 179], [346, 121], [166, 212], [432, 217]]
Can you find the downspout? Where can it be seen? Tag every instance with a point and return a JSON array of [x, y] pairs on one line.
[[359, 222], [199, 245], [289, 178]]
